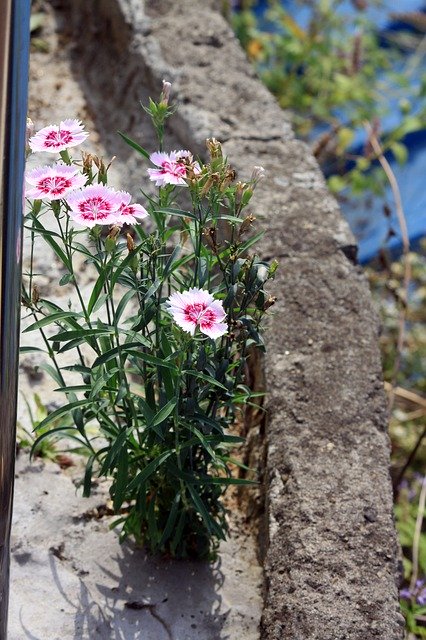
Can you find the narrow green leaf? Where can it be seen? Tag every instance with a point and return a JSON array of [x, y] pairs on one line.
[[167, 531], [62, 411], [53, 317], [206, 378], [177, 212], [31, 349], [149, 470], [65, 336], [211, 525], [163, 413], [96, 291], [121, 479], [134, 145], [45, 366], [87, 482], [52, 243]]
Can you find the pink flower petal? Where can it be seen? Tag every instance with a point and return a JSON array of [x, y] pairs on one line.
[[197, 308], [55, 138], [170, 170], [53, 183], [94, 205], [129, 213]]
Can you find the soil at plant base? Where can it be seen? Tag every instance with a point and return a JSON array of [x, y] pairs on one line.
[[70, 578]]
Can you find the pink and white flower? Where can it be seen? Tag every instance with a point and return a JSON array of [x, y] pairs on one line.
[[129, 213], [171, 168], [197, 308], [55, 138], [53, 183], [94, 205]]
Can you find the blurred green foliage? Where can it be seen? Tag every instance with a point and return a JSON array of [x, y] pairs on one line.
[[335, 76]]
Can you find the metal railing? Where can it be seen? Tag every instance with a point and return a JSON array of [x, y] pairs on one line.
[[14, 51]]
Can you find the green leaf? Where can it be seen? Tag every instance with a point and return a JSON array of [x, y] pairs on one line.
[[154, 534], [212, 526], [53, 373], [123, 303], [96, 291], [125, 348], [177, 212], [134, 145], [83, 333], [62, 411], [168, 529], [30, 349], [66, 279], [121, 478], [170, 262], [164, 413], [87, 482], [149, 470], [400, 152], [53, 317], [125, 263], [206, 378]]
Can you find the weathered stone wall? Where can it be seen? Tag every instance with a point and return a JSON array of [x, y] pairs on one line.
[[331, 554]]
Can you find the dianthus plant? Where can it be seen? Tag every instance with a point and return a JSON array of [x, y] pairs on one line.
[[152, 360]]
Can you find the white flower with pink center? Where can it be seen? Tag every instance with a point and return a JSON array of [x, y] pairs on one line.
[[197, 308], [94, 205], [171, 168], [53, 183], [55, 138], [129, 213]]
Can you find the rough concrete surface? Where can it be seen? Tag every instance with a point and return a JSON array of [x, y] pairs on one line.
[[330, 564], [72, 580]]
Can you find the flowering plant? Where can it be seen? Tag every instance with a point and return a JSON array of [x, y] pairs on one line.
[[161, 342]]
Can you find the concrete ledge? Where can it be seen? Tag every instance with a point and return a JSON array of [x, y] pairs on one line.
[[331, 555]]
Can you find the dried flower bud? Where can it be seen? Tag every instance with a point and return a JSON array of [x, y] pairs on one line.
[[213, 179], [230, 176], [246, 224], [269, 302], [210, 236], [258, 174], [214, 148], [130, 242], [35, 294], [100, 165], [165, 94], [87, 162], [30, 129]]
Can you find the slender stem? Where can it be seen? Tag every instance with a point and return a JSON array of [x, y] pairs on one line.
[[405, 250], [417, 534]]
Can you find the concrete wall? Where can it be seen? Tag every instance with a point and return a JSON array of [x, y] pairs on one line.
[[331, 550]]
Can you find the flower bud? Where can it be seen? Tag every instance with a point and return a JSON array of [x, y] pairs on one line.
[[30, 129], [272, 269], [257, 174], [111, 239], [247, 224], [210, 236], [214, 148], [130, 242], [87, 161], [35, 294], [269, 302], [165, 94]]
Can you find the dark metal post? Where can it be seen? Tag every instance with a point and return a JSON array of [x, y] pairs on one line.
[[14, 51]]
